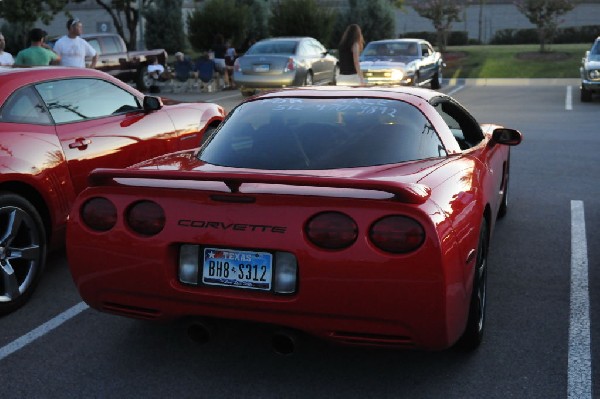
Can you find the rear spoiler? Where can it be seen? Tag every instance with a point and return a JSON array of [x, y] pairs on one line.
[[411, 193]]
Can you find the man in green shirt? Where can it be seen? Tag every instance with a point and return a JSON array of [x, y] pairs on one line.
[[39, 53]]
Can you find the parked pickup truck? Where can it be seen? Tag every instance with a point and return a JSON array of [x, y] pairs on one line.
[[114, 59]]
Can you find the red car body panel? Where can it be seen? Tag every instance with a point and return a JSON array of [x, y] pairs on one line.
[[49, 164], [356, 295]]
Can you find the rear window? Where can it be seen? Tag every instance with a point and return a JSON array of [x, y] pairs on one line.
[[274, 47], [311, 133]]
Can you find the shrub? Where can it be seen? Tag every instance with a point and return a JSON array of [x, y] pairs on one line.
[[455, 38], [578, 34]]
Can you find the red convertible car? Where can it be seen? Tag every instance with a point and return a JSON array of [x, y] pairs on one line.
[[57, 124], [358, 215]]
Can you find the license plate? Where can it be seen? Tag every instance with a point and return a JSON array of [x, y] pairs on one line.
[[239, 269], [261, 68]]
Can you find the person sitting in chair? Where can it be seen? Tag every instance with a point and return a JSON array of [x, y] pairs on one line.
[[205, 68], [184, 67], [156, 71]]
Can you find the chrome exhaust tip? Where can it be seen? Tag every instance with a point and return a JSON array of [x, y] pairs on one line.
[[200, 332], [284, 342]]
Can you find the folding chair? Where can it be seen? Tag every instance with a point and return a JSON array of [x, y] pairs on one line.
[[206, 74], [183, 74]]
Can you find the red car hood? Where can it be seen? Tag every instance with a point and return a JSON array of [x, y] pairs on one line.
[[401, 180]]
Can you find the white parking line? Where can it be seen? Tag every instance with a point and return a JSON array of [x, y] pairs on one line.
[[226, 96], [455, 90], [580, 360], [569, 99], [45, 328]]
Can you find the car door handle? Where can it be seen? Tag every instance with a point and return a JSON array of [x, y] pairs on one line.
[[80, 143]]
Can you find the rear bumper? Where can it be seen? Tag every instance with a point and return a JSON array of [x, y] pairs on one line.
[[402, 310], [427, 331], [265, 81]]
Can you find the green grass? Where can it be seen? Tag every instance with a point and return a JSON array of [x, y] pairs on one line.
[[514, 61]]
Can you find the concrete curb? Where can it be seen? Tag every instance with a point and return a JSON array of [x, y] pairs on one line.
[[200, 96]]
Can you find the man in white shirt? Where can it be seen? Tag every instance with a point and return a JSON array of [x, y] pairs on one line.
[[73, 49], [5, 58]]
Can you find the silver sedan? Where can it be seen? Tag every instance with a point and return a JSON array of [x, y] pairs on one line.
[[284, 62]]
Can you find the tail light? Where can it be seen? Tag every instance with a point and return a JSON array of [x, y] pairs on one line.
[[99, 214], [397, 234], [236, 66], [331, 230], [291, 66], [146, 218]]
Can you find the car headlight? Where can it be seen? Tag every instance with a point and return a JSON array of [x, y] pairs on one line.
[[397, 74], [595, 74]]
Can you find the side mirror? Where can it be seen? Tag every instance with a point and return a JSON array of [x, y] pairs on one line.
[[506, 136], [152, 103]]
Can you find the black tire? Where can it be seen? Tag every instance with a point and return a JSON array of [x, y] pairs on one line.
[[141, 82], [436, 80], [473, 334], [416, 80], [586, 95], [336, 73], [308, 79], [504, 204], [22, 251]]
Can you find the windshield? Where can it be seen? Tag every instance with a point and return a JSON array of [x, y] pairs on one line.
[[273, 47], [595, 51], [390, 50], [317, 133]]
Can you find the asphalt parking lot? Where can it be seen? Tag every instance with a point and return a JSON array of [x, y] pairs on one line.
[[544, 296]]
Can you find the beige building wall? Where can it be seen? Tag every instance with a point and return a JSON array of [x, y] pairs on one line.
[[481, 19]]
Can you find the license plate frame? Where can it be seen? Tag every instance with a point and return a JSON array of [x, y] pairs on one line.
[[237, 268]]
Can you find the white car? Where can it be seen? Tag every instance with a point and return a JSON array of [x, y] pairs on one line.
[[590, 72], [407, 62]]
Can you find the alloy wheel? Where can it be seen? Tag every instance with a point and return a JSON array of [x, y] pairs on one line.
[[22, 251]]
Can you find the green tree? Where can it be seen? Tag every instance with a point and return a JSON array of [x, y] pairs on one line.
[[544, 14], [442, 14], [21, 16], [376, 18], [227, 17], [164, 28], [255, 24], [302, 18], [125, 14]]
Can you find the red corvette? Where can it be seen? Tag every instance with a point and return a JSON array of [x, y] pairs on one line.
[[362, 216], [57, 124]]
